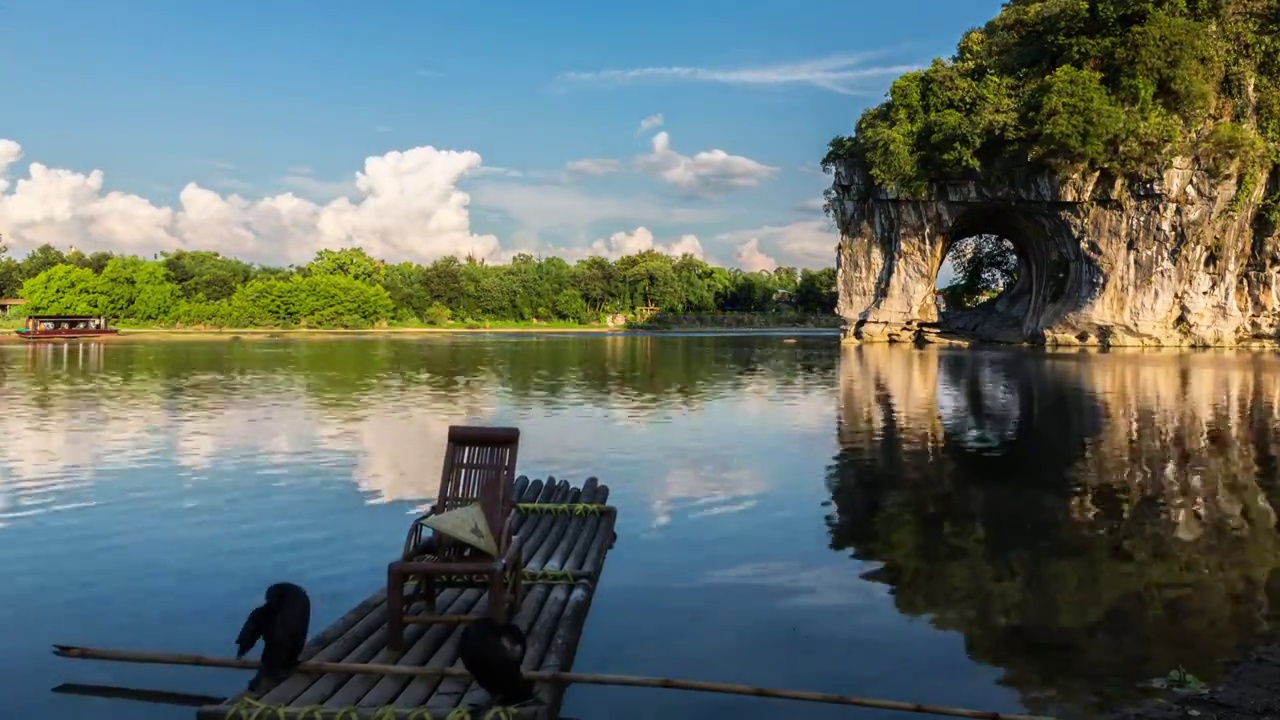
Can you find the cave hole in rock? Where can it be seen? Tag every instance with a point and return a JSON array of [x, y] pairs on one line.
[[976, 270], [1004, 273]]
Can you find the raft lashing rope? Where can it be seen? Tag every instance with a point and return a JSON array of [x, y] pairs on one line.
[[562, 508], [247, 708]]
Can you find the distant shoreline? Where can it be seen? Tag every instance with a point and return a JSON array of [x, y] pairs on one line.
[[7, 335]]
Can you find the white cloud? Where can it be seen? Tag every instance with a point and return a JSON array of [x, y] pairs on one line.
[[808, 207], [651, 122], [593, 166], [407, 207], [429, 74], [844, 74], [543, 207], [621, 244], [494, 171], [708, 172], [750, 258], [806, 243]]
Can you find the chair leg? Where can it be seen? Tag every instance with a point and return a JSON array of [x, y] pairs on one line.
[[517, 590], [498, 597], [428, 586], [395, 608]]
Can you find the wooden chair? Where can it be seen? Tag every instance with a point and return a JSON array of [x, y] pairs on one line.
[[479, 466]]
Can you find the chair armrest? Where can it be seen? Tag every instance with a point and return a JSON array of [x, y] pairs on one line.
[[413, 541]]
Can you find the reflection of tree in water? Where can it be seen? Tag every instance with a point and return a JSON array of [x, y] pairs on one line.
[[1114, 522], [387, 401]]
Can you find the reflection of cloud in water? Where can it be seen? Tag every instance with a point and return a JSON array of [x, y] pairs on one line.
[[274, 431], [68, 421], [706, 492], [54, 452], [831, 585], [760, 400], [400, 453]]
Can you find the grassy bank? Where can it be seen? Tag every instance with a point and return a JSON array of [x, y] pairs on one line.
[[685, 323]]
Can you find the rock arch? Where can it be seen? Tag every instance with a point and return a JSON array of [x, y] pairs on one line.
[[1102, 260]]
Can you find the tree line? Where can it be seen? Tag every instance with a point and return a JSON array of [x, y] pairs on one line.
[[347, 288]]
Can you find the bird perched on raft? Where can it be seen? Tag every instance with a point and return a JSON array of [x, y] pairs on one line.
[[282, 623], [492, 653]]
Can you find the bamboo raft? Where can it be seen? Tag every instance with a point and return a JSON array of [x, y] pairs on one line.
[[567, 532]]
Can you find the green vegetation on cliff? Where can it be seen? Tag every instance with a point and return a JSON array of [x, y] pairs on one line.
[[349, 289], [1112, 85]]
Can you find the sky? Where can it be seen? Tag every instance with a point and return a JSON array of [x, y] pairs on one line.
[[422, 128]]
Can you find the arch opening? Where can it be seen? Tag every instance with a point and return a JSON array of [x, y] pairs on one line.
[[1005, 274], [975, 270]]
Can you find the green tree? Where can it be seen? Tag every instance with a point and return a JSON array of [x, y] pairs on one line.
[[42, 258], [984, 266], [353, 263], [349, 288], [1117, 85]]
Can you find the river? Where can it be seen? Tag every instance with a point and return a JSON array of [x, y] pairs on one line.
[[1000, 529]]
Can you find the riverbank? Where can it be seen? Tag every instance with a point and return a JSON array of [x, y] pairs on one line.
[[170, 334], [1249, 691]]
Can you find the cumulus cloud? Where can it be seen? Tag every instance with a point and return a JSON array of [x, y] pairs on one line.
[[708, 172], [651, 122], [844, 74], [550, 207], [621, 244], [593, 166], [750, 258], [806, 243], [407, 206]]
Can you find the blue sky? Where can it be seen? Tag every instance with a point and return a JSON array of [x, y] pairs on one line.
[[263, 98]]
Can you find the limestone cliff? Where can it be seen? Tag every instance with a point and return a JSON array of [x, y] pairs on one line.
[[1178, 260]]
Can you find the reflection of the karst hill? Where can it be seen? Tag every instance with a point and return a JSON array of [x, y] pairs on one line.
[[1087, 521]]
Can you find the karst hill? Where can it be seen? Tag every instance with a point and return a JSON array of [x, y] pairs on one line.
[[1128, 149]]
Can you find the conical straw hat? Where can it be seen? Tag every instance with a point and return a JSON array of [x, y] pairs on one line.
[[466, 524]]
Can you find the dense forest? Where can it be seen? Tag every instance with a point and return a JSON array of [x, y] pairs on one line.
[[347, 288], [1114, 85]]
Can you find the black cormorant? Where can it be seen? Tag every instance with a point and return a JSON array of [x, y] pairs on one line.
[[282, 623], [492, 653]]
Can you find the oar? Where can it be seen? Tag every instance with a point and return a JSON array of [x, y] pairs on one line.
[[563, 678]]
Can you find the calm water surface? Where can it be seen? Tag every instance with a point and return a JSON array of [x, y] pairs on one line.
[[998, 529]]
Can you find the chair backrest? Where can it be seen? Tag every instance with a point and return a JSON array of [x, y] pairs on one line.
[[479, 465]]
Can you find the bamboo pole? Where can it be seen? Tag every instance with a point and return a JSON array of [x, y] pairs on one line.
[[157, 658]]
